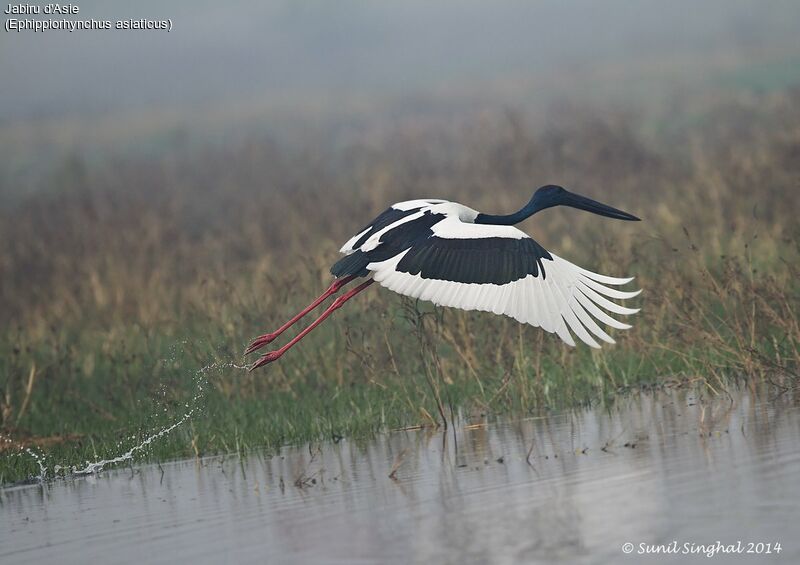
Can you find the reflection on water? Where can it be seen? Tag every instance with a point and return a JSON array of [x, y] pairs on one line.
[[672, 465]]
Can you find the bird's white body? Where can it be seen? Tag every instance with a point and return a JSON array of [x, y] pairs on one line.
[[559, 297]]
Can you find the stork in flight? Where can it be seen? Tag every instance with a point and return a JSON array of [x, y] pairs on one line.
[[455, 256]]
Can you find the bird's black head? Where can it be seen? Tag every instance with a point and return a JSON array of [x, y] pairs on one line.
[[548, 196], [552, 195]]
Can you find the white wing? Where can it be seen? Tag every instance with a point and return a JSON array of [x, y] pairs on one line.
[[563, 296]]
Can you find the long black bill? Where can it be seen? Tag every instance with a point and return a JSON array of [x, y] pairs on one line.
[[583, 203]]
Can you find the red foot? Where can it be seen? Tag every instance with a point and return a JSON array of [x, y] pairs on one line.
[[266, 358], [260, 342]]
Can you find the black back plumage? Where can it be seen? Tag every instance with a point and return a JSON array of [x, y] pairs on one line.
[[393, 242], [386, 218]]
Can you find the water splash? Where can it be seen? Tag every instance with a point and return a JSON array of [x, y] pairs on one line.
[[93, 467], [97, 466], [39, 458]]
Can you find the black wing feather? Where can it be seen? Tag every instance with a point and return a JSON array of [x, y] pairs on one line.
[[492, 260]]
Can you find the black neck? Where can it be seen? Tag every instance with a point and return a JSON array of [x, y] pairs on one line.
[[508, 219], [549, 196]]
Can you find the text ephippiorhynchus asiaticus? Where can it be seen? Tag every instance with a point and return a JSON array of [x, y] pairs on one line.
[[455, 256]]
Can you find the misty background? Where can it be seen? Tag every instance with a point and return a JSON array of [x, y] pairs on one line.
[[328, 71]]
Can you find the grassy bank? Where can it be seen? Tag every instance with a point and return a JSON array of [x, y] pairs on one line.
[[123, 279]]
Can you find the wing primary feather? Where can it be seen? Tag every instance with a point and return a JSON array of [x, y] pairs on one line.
[[587, 321], [604, 279], [568, 314], [605, 302], [563, 332], [610, 292], [601, 316]]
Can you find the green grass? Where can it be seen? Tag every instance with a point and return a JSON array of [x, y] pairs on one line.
[[113, 396]]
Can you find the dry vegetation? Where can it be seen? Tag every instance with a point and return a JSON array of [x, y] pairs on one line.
[[126, 276]]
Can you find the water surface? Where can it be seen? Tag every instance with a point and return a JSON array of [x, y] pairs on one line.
[[657, 468]]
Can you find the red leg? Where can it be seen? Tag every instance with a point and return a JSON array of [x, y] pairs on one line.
[[273, 355], [263, 340]]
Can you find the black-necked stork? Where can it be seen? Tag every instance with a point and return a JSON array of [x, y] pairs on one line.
[[455, 256]]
